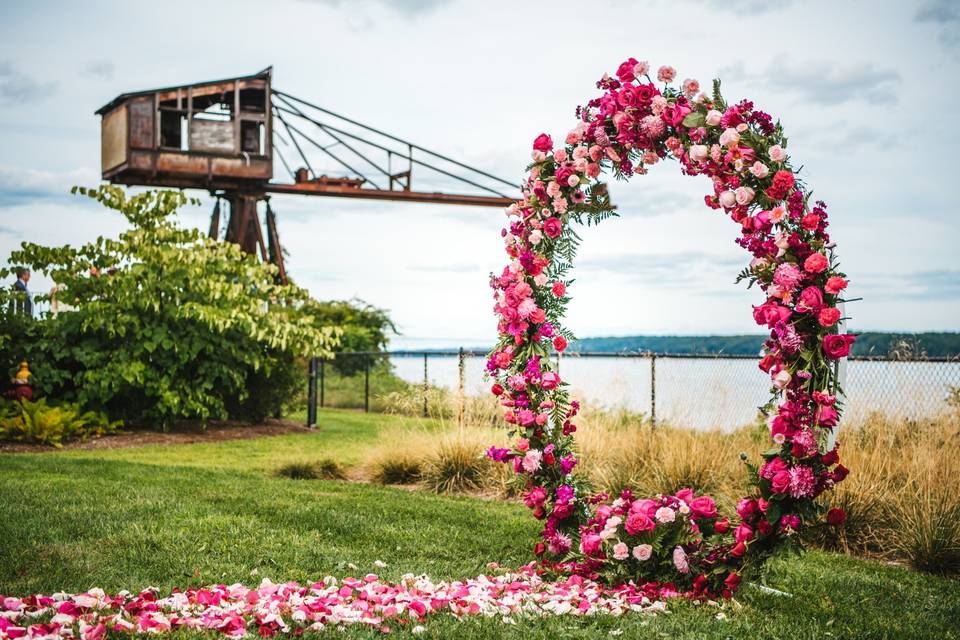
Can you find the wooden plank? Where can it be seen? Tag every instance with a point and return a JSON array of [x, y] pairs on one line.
[[113, 138], [141, 114]]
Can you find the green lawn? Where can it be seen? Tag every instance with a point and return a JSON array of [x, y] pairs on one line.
[[195, 514]]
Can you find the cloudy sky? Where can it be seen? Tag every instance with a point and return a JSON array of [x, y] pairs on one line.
[[864, 92]]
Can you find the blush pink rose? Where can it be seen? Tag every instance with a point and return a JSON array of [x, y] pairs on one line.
[[744, 195], [777, 153], [642, 552], [713, 117], [621, 551], [728, 199]]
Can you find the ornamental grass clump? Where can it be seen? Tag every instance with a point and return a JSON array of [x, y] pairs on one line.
[[323, 469], [457, 462]]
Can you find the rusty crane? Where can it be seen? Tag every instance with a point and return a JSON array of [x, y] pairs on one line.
[[221, 136]]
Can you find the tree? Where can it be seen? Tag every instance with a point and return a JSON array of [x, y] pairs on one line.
[[164, 323]]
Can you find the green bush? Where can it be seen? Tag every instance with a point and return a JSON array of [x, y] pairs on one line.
[[165, 323], [323, 469], [41, 423]]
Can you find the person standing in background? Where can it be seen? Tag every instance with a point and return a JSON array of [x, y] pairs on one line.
[[22, 301]]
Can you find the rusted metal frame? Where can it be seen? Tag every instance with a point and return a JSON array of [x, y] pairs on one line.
[[215, 221], [237, 142], [293, 129], [259, 232], [278, 108], [326, 130], [316, 189], [273, 237], [392, 137], [296, 144]]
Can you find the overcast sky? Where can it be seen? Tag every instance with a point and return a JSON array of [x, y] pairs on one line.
[[867, 93]]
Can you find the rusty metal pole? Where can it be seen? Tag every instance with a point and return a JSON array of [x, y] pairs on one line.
[[653, 390]]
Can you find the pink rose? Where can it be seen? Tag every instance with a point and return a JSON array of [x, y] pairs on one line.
[[747, 509], [625, 72], [759, 170], [743, 533], [777, 154], [552, 227], [543, 143], [728, 199], [713, 117], [811, 300], [837, 346], [815, 263], [780, 482], [699, 152], [744, 195], [558, 289], [680, 560], [642, 552], [729, 138], [703, 507], [638, 523]]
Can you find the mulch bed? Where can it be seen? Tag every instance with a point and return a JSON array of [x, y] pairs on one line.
[[182, 433]]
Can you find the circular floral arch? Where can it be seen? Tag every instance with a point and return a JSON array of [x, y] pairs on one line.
[[673, 543]]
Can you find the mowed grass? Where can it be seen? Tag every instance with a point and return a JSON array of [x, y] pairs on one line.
[[190, 515]]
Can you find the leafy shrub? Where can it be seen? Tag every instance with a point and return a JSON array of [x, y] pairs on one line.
[[323, 469], [165, 323], [42, 423]]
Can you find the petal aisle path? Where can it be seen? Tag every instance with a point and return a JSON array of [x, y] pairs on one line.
[[237, 610]]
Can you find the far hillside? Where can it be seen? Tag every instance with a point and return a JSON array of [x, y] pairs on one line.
[[930, 344]]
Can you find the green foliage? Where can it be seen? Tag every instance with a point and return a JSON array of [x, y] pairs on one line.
[[165, 323], [41, 423], [323, 469]]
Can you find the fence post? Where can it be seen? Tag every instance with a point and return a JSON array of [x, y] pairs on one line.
[[653, 390], [426, 385], [312, 394], [461, 388], [366, 387], [323, 385]]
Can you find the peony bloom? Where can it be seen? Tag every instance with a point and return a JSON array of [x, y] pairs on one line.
[[787, 276], [531, 460], [642, 552], [543, 143], [621, 551], [802, 482]]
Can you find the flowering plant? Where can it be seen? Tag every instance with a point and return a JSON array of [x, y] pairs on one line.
[[679, 541]]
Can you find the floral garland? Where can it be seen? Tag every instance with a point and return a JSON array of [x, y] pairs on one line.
[[678, 540]]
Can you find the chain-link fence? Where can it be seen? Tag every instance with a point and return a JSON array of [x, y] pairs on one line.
[[698, 391]]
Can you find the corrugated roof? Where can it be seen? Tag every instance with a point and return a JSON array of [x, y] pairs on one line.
[[266, 73]]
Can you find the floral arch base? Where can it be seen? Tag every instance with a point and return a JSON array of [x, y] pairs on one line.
[[679, 543]]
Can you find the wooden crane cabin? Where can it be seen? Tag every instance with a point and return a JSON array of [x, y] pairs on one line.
[[209, 135]]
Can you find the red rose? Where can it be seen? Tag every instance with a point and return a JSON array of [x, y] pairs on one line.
[[559, 343], [815, 263], [539, 548], [767, 362], [722, 525], [828, 316], [552, 227], [732, 581], [831, 457], [836, 517], [837, 345], [738, 550], [840, 472], [543, 142], [497, 389], [559, 289]]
